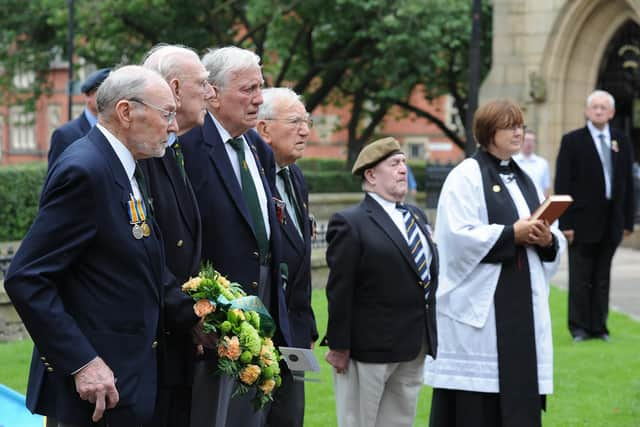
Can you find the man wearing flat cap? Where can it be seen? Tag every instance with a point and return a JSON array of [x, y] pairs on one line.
[[71, 131], [383, 270]]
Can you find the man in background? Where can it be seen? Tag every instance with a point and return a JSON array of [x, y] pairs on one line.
[[594, 166], [284, 124], [63, 136], [535, 166], [176, 211]]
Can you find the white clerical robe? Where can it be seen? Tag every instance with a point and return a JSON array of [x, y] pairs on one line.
[[467, 356]]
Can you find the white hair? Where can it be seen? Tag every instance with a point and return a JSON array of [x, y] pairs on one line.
[[129, 81], [604, 93], [273, 99], [223, 62], [168, 59]]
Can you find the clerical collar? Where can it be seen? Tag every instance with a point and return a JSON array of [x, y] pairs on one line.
[[503, 166]]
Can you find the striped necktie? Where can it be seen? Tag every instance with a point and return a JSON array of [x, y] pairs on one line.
[[415, 244]]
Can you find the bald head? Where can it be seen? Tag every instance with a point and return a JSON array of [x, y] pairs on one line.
[[126, 82], [180, 66]]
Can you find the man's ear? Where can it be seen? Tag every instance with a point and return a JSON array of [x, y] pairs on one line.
[[124, 113], [176, 88], [263, 129]]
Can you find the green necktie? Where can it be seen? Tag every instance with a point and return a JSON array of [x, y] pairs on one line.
[[285, 174], [251, 198], [144, 190], [177, 151]]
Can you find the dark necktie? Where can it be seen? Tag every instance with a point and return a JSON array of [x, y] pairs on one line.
[[251, 198], [285, 174], [606, 155], [415, 245], [177, 151], [144, 190]]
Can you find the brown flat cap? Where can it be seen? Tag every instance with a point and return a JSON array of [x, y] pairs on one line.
[[374, 153]]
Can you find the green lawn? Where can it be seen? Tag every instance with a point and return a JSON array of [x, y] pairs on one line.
[[597, 384]]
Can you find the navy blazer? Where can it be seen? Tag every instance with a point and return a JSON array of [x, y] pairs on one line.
[[296, 253], [66, 134], [85, 287], [176, 211], [377, 307], [228, 239], [579, 173]]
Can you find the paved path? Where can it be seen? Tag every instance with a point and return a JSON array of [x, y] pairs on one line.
[[625, 281]]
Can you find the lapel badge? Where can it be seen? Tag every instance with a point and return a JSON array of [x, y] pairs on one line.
[[614, 146], [280, 206], [496, 188]]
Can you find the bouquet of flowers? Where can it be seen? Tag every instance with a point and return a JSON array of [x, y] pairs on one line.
[[244, 327]]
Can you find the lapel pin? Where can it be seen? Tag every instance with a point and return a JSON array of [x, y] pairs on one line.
[[496, 188]]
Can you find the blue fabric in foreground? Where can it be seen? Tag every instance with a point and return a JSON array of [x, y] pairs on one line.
[[14, 413]]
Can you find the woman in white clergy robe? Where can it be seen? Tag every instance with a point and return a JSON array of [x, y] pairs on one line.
[[495, 356]]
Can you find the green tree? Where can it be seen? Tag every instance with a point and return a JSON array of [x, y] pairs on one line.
[[369, 54]]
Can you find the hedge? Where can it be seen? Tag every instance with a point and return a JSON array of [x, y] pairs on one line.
[[332, 176], [20, 187]]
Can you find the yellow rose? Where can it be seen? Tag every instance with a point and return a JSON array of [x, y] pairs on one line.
[[224, 282], [250, 374], [203, 307], [192, 284], [267, 386]]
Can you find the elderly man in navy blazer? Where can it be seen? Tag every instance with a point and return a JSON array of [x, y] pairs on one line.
[[176, 211], [284, 124], [71, 131], [227, 164], [89, 280]]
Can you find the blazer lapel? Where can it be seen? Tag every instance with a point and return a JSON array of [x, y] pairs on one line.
[[289, 228], [120, 177], [380, 217], [180, 188]]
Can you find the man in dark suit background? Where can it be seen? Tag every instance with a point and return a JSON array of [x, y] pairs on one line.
[[75, 129], [89, 280], [176, 212], [383, 270], [226, 163], [594, 166], [284, 124]]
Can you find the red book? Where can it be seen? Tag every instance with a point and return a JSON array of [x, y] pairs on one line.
[[552, 207]]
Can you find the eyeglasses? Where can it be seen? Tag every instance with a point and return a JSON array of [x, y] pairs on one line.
[[169, 116], [296, 121]]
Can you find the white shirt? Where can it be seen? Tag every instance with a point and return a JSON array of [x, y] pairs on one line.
[[595, 135], [537, 168], [253, 169], [125, 157], [398, 220]]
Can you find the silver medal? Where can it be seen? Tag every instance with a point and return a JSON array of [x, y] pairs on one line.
[[137, 231]]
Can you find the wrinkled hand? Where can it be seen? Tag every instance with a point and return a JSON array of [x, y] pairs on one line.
[[96, 384], [569, 235], [202, 340], [339, 359], [540, 234]]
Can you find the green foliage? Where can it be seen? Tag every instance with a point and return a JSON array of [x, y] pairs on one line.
[[370, 54], [20, 188]]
